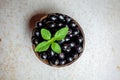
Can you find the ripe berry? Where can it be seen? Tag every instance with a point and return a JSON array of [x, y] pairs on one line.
[[35, 41], [67, 39], [66, 48], [56, 62], [71, 35], [72, 24], [67, 19], [60, 25], [44, 21], [50, 24], [50, 53], [61, 56], [76, 32], [79, 49], [72, 44], [36, 33], [39, 24], [52, 17], [69, 59], [43, 55], [62, 62], [80, 39], [61, 17], [75, 55]]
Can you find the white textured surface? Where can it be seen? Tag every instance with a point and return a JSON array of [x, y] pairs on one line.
[[100, 20]]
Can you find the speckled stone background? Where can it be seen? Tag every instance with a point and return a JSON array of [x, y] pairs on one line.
[[100, 20]]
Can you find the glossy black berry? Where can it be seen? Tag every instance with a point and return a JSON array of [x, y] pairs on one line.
[[60, 25], [54, 62], [71, 46], [75, 55], [61, 56], [43, 55], [50, 53], [67, 38], [72, 24], [62, 62], [52, 17], [76, 32], [66, 48], [79, 49], [80, 39], [61, 17], [67, 19], [69, 59], [36, 33], [50, 24], [44, 21], [39, 24], [35, 41]]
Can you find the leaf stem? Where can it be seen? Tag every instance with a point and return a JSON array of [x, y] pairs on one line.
[[51, 40]]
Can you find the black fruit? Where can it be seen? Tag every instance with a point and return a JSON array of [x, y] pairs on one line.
[[39, 24], [43, 55]]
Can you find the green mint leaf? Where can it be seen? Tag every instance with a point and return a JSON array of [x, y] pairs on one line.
[[45, 34], [43, 46], [60, 34], [56, 47]]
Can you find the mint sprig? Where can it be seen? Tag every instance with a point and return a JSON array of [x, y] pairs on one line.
[[59, 35]]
